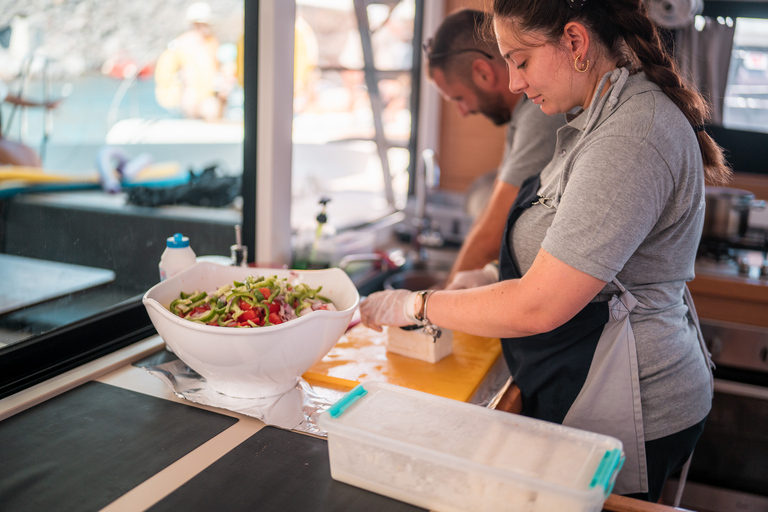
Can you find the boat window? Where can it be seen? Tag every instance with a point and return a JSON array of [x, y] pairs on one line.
[[746, 94], [144, 139], [353, 122], [738, 78]]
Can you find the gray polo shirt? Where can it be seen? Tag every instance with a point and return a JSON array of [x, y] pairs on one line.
[[628, 197], [530, 144]]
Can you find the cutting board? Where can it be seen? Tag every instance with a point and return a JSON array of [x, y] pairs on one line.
[[361, 355]]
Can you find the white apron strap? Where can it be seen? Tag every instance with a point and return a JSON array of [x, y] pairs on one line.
[[688, 299], [609, 402]]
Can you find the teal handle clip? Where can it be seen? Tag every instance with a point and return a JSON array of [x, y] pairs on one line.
[[605, 474], [347, 400]]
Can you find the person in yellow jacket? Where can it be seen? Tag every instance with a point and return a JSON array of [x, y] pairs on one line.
[[187, 73]]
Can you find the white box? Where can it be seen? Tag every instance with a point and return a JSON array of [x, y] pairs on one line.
[[446, 455], [418, 344]]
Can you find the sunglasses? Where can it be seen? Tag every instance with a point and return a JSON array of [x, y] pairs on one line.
[[427, 46]]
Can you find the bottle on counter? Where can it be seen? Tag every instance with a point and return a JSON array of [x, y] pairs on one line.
[[177, 256], [239, 252]]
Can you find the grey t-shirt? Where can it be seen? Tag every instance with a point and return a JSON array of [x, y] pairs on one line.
[[531, 138], [629, 203]]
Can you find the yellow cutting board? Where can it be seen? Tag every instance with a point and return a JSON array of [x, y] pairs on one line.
[[361, 354]]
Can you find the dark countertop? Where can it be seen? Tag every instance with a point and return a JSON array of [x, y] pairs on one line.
[[185, 461]]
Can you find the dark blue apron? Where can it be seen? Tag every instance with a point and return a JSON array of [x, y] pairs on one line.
[[549, 368], [584, 373]]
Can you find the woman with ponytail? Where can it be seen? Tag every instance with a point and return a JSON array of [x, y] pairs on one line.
[[596, 322]]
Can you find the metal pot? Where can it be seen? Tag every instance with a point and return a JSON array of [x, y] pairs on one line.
[[727, 213]]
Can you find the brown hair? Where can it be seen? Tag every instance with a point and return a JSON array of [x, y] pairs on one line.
[[618, 23], [459, 40]]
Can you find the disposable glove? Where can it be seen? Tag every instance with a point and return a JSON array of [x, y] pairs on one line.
[[390, 307], [473, 278]]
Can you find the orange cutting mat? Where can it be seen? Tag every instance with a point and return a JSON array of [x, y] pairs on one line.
[[361, 355]]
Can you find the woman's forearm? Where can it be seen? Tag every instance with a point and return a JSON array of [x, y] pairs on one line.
[[550, 294]]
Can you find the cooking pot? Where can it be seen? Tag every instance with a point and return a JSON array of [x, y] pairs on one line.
[[727, 213]]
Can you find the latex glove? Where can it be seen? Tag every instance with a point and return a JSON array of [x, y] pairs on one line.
[[473, 278], [390, 307]]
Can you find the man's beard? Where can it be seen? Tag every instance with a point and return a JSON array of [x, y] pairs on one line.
[[493, 107]]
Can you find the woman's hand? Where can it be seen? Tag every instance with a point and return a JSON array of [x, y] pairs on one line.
[[390, 307]]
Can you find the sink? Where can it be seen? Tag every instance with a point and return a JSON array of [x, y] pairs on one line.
[[446, 213], [408, 273], [415, 280]]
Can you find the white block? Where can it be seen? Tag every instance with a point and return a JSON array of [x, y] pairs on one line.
[[420, 345]]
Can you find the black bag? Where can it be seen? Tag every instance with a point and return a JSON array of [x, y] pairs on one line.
[[204, 189]]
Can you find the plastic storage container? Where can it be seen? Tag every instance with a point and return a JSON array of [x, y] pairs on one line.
[[447, 455], [177, 256]]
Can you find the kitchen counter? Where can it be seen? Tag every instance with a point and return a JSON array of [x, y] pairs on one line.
[[721, 293], [203, 444]]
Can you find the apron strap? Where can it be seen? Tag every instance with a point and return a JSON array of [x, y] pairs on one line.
[[688, 299]]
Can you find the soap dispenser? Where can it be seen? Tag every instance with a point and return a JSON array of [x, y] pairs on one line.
[[315, 241]]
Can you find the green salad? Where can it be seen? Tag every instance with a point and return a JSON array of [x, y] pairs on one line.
[[255, 302]]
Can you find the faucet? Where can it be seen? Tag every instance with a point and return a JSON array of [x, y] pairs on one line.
[[425, 235]]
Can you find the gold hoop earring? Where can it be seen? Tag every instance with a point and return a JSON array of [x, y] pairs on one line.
[[576, 64]]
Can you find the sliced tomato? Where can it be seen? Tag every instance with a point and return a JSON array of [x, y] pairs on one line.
[[266, 292], [274, 307], [274, 318], [247, 315], [245, 306], [201, 309]]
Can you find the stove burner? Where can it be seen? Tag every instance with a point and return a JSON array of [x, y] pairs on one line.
[[746, 256], [718, 249]]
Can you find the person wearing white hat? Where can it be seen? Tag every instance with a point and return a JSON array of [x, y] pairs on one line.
[[187, 74]]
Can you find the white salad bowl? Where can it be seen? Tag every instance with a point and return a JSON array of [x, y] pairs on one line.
[[255, 362]]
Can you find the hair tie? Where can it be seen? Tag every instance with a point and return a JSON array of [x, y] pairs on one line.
[[576, 5], [699, 128]]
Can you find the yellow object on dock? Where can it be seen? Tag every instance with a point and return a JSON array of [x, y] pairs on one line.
[[38, 175], [361, 354]]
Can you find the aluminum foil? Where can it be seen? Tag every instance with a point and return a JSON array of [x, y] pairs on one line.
[[296, 409]]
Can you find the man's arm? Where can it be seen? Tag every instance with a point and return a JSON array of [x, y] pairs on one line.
[[483, 242]]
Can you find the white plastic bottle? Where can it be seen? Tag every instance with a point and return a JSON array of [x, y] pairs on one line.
[[177, 256]]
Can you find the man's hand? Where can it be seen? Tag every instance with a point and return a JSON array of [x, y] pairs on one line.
[[473, 278]]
